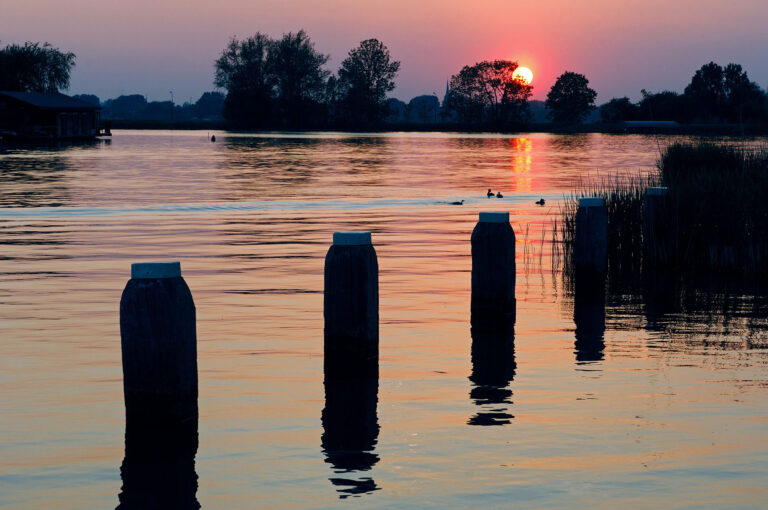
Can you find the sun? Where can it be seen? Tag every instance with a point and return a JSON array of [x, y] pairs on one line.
[[523, 75]]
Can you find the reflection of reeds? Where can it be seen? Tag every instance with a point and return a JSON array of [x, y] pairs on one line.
[[526, 249], [533, 257]]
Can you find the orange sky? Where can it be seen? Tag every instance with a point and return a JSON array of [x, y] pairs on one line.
[[154, 46]]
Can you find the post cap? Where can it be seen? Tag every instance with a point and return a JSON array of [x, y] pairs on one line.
[[591, 202], [657, 191], [151, 270], [494, 217], [351, 238]]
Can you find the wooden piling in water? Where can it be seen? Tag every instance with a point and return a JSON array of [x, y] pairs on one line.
[[591, 238], [159, 349], [654, 204], [351, 306], [493, 267]]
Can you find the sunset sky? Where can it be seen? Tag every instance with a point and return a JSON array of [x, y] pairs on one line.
[[152, 47]]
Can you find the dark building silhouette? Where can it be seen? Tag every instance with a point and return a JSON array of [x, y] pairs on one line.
[[47, 116]]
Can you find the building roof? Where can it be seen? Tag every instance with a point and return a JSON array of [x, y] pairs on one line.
[[50, 101]]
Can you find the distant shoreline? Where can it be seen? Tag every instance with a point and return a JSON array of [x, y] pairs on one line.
[[536, 127]]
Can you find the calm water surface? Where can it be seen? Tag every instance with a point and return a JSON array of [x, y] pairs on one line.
[[668, 409]]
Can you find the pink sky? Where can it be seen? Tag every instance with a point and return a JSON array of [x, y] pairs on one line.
[[152, 47]]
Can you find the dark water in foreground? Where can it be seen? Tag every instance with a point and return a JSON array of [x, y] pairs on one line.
[[654, 398]]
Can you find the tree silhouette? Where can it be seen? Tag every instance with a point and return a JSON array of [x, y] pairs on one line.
[[298, 75], [209, 105], [618, 110], [707, 90], [243, 70], [464, 98], [365, 77], [88, 98], [570, 99], [35, 67], [744, 98], [725, 93], [665, 105], [272, 83], [487, 91]]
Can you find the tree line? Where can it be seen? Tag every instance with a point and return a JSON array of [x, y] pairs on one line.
[[135, 107], [283, 83], [715, 94]]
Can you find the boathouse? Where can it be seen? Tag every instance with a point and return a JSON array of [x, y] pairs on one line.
[[37, 115]]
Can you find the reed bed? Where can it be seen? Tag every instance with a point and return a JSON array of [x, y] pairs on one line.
[[717, 207], [714, 219], [623, 195]]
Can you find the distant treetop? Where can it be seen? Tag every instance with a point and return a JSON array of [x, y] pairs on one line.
[[570, 99], [488, 92], [88, 98], [35, 67], [365, 77]]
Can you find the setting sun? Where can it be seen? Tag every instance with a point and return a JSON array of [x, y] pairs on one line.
[[524, 75]]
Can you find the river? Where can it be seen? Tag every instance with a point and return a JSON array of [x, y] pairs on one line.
[[670, 412]]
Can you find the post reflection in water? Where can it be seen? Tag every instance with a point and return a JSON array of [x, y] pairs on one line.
[[661, 297], [158, 470], [493, 368], [351, 429], [589, 316]]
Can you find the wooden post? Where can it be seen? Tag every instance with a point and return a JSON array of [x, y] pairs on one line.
[[591, 249], [493, 267], [653, 229], [351, 311], [159, 344], [351, 306]]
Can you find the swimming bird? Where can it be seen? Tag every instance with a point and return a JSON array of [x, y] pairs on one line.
[[499, 195], [490, 193], [540, 202], [458, 203]]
